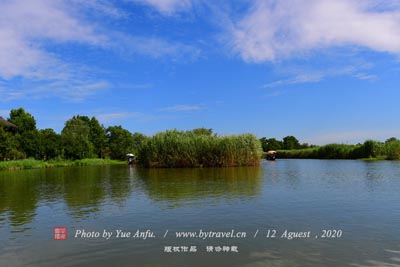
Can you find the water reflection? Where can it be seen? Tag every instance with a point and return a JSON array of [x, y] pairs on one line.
[[180, 185], [85, 189], [18, 198], [360, 198]]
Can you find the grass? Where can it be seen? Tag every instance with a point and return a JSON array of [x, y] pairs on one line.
[[177, 149], [37, 164]]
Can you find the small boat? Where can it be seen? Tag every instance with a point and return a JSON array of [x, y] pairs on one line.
[[130, 158], [271, 155]]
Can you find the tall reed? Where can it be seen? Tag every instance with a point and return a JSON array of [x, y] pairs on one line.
[[175, 148]]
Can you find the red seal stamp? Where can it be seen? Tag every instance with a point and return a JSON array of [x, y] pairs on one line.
[[60, 233]]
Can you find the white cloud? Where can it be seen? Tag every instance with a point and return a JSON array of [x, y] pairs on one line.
[[273, 30], [167, 7], [71, 90], [112, 117], [118, 117], [366, 76], [302, 78], [155, 47], [101, 7], [28, 68], [26, 25], [183, 108], [301, 75]]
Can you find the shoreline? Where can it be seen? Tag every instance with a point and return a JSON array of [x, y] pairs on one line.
[[27, 164]]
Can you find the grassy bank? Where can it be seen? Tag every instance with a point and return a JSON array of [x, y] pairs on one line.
[[369, 150], [37, 164], [174, 148]]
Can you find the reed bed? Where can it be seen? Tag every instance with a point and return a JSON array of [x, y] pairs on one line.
[[368, 150], [177, 149]]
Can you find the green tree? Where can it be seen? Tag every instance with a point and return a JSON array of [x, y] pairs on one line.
[[26, 132], [7, 144], [391, 139], [49, 144], [138, 141], [120, 142], [305, 145], [270, 144], [392, 149], [97, 136], [75, 139], [290, 142]]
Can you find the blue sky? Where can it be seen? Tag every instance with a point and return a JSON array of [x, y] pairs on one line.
[[322, 70]]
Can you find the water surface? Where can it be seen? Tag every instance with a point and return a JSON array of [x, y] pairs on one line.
[[361, 199]]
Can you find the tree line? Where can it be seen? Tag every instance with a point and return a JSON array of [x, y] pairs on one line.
[[290, 147], [82, 137], [287, 143]]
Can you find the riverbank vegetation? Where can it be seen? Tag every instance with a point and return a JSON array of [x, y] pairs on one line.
[[24, 146], [369, 150], [83, 140], [38, 164], [199, 149]]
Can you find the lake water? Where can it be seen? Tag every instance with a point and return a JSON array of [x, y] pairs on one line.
[[358, 201]]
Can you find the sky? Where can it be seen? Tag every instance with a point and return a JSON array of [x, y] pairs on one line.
[[324, 71]]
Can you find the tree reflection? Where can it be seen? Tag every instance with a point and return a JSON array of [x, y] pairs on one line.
[[82, 189], [18, 197]]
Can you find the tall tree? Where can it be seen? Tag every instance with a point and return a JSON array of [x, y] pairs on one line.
[[290, 142], [75, 139], [97, 136], [26, 132], [49, 144], [270, 144], [120, 142]]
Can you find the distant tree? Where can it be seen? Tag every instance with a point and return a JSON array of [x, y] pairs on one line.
[[26, 133], [305, 145], [290, 142], [75, 139], [202, 131], [270, 144], [49, 144], [120, 142], [138, 140], [391, 139]]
